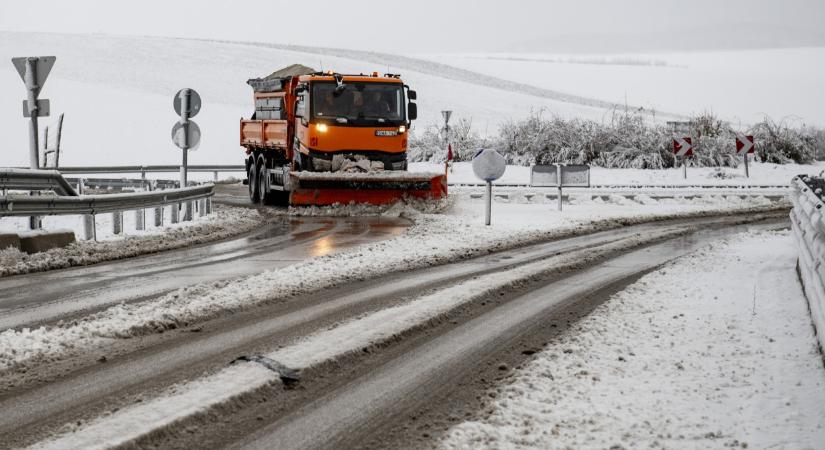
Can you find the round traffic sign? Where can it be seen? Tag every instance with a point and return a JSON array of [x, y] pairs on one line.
[[194, 102], [189, 140], [489, 165]]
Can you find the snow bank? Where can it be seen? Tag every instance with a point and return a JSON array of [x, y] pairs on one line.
[[434, 239], [808, 225], [714, 350], [224, 222]]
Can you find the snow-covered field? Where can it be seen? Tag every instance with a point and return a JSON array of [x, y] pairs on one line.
[[117, 94], [713, 350], [117, 91], [740, 86], [225, 221]]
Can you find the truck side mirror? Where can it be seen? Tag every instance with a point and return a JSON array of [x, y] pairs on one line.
[[412, 95], [412, 111]]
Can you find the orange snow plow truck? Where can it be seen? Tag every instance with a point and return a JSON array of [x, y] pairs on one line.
[[325, 138]]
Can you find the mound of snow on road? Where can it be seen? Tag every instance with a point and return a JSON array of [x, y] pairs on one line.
[[225, 221], [434, 239], [672, 362]]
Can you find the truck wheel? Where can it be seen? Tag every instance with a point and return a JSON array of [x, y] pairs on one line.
[[252, 181], [264, 196]]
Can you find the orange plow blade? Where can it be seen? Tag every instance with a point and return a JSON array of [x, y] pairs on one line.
[[376, 188]]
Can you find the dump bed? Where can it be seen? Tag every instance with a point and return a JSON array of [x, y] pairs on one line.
[[264, 133]]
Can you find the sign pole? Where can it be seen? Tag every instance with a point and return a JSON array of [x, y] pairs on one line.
[[747, 175], [558, 175], [489, 205], [184, 120], [33, 90], [684, 167]]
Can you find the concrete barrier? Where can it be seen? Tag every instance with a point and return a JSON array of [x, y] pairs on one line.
[[40, 241]]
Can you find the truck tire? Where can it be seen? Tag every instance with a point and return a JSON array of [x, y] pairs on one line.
[[252, 181], [265, 198]]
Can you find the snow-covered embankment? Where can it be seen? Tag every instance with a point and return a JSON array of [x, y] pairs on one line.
[[808, 222]]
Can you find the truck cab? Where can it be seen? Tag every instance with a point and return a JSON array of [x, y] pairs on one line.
[[350, 115]]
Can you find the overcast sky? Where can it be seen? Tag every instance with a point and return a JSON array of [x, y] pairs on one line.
[[443, 25]]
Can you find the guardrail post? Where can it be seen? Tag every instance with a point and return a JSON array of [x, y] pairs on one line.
[[89, 227], [188, 211], [140, 219], [201, 207], [80, 186], [208, 205], [159, 217], [175, 217], [117, 222]]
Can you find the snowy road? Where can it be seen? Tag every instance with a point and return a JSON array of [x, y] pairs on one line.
[[356, 389], [45, 297]]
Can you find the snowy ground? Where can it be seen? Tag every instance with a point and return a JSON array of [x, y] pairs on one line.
[[225, 221], [456, 234], [760, 175], [674, 363]]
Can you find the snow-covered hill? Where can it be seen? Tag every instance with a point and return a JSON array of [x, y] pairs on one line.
[[117, 93]]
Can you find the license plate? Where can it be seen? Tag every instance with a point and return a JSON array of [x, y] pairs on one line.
[[386, 132]]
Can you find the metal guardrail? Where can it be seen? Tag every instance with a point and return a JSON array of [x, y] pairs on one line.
[[808, 224], [636, 186], [66, 201], [150, 169], [29, 205], [35, 180], [120, 183]]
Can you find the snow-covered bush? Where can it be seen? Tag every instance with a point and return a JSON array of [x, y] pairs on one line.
[[627, 140], [429, 145]]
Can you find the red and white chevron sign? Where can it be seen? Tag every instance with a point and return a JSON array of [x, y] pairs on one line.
[[682, 146], [744, 144]]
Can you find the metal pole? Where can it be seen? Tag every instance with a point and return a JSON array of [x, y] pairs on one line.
[[558, 177], [175, 210], [184, 120], [57, 144], [158, 217], [684, 167], [31, 86], [489, 204], [89, 227], [747, 175], [140, 219], [30, 79], [117, 222]]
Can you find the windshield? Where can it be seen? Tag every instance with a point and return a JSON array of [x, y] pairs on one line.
[[359, 103]]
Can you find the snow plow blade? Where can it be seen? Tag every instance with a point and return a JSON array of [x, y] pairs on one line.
[[376, 188]]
